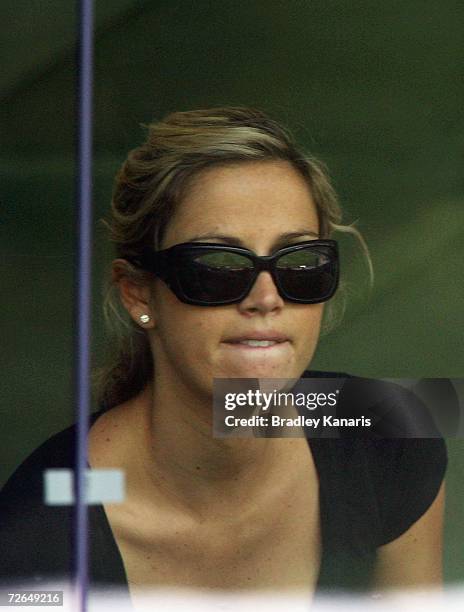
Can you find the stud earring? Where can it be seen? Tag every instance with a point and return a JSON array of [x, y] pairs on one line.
[[144, 319]]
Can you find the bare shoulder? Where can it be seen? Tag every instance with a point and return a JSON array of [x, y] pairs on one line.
[[107, 438]]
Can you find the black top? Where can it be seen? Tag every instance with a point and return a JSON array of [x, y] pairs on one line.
[[369, 489]]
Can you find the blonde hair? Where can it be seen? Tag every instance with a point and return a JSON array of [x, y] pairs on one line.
[[148, 188]]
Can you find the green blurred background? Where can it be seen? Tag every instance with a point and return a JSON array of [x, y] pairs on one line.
[[375, 89]]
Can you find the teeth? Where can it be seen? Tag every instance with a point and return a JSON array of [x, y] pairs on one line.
[[258, 342]]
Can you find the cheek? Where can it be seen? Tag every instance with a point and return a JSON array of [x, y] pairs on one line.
[[310, 321], [183, 332], [316, 316]]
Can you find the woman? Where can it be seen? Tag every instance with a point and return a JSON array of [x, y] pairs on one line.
[[234, 514]]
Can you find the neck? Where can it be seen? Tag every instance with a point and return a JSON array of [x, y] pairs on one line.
[[187, 466]]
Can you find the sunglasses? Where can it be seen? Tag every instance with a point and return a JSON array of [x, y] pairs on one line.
[[207, 274]]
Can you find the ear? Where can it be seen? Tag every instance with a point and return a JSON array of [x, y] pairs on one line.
[[135, 295]]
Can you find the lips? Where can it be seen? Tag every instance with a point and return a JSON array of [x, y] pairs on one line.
[[258, 343], [258, 339]]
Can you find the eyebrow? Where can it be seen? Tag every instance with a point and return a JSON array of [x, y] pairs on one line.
[[235, 241]]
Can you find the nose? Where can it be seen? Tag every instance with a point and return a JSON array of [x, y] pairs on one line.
[[263, 297]]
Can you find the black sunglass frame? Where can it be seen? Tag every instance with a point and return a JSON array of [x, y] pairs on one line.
[[165, 263]]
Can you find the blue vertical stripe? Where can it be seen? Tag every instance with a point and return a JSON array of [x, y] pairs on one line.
[[83, 292]]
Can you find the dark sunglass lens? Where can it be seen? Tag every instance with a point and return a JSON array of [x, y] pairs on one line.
[[215, 276], [307, 274]]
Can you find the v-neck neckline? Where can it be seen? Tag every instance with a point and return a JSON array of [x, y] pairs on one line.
[[317, 455], [346, 537]]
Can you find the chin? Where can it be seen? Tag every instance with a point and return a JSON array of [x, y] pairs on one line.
[[283, 371]]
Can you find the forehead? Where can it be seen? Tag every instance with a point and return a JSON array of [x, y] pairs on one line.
[[255, 201]]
